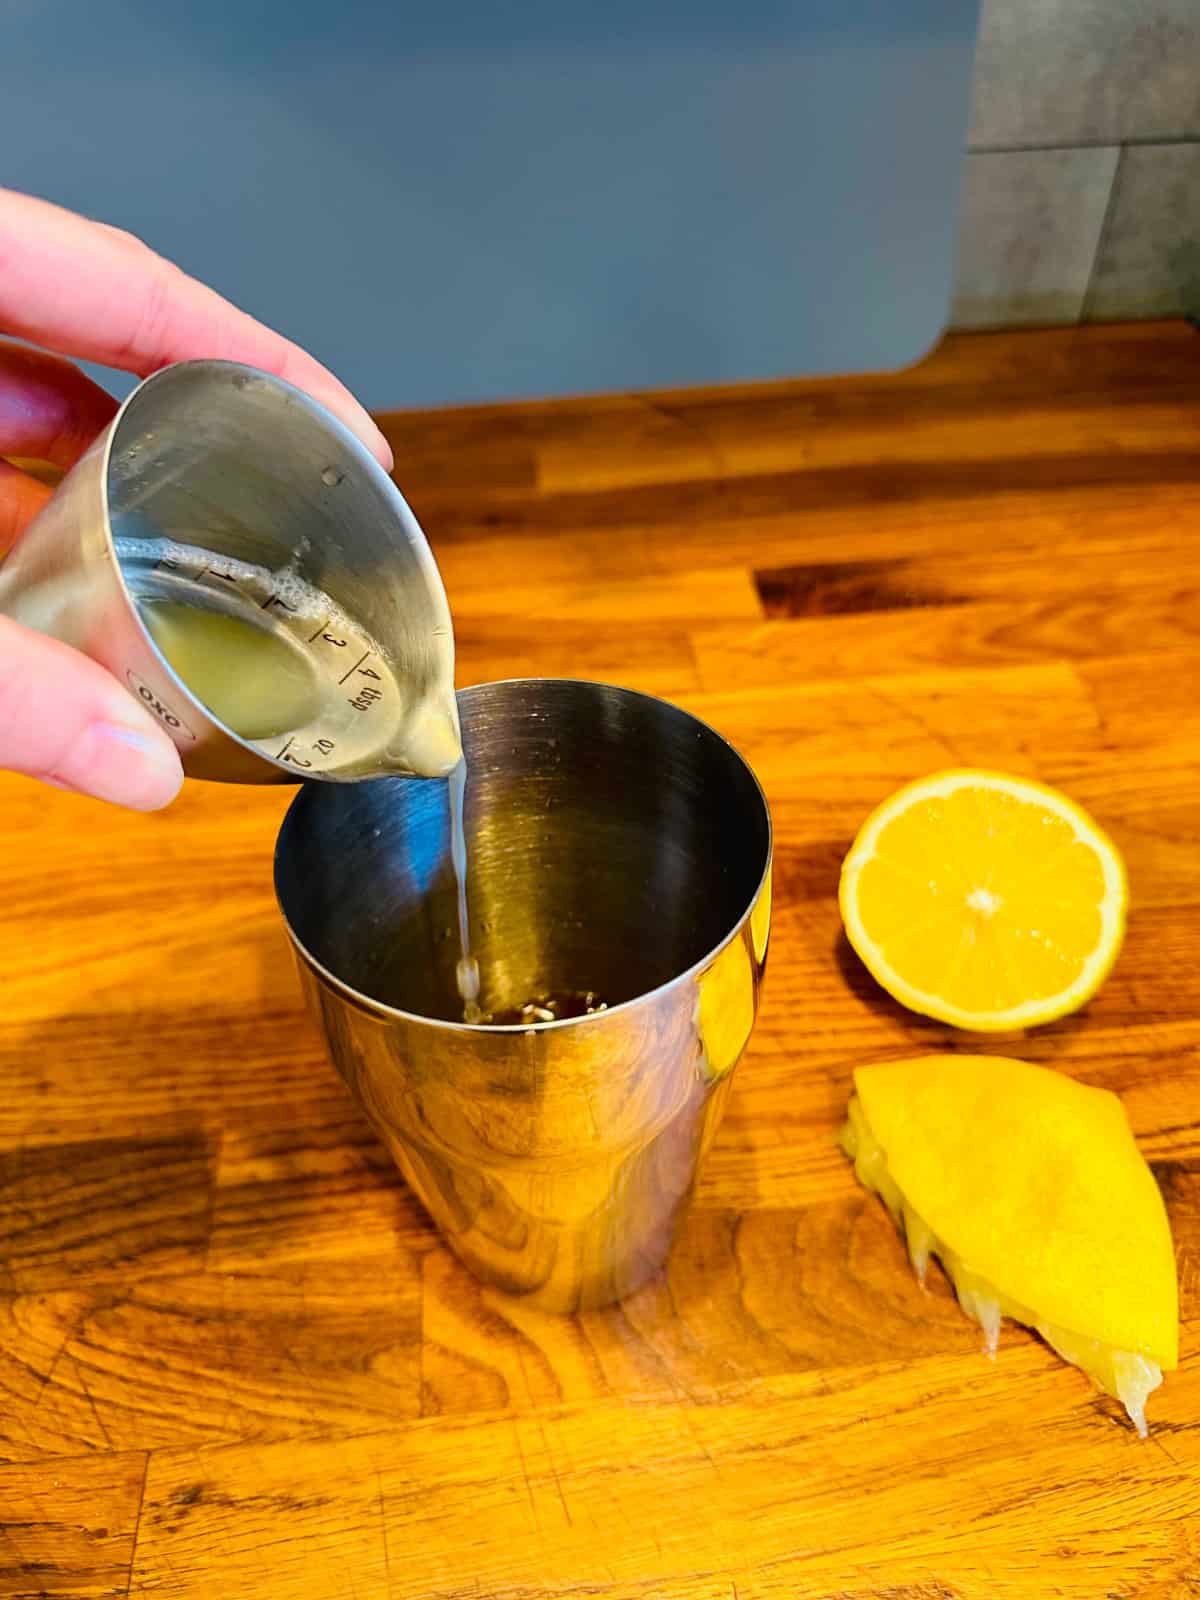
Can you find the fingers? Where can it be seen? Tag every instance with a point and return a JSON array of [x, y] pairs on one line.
[[65, 720], [21, 498], [48, 410], [96, 293]]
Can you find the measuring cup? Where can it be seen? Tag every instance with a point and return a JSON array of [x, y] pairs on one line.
[[615, 844], [220, 486]]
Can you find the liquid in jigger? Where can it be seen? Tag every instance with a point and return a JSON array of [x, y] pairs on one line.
[[284, 667]]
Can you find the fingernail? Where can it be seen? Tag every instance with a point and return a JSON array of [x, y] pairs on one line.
[[124, 765], [382, 448]]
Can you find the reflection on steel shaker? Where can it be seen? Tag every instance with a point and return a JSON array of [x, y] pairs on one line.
[[615, 841]]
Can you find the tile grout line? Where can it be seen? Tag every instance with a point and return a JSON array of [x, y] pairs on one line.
[[1101, 238], [1080, 144]]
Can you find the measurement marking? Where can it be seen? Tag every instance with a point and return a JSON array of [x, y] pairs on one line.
[[321, 629], [286, 748], [355, 667]]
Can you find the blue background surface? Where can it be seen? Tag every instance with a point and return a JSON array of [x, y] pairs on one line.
[[480, 200]]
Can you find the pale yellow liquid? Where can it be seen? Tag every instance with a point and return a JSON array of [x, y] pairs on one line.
[[279, 663], [254, 681], [466, 974]]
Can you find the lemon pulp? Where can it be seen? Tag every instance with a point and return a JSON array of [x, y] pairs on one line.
[[1125, 1374]]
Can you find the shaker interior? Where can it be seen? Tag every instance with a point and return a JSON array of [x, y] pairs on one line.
[[613, 843]]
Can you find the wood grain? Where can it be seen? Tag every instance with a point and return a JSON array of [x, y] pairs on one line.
[[235, 1360]]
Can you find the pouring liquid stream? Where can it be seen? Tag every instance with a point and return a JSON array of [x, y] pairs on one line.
[[283, 667], [557, 1005], [466, 973], [276, 659]]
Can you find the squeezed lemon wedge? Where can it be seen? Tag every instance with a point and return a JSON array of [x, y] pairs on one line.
[[1030, 1190]]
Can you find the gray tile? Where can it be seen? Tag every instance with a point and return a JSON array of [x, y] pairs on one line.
[[1075, 71], [1148, 263], [1028, 231]]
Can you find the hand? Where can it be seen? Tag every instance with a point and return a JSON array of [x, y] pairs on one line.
[[83, 289]]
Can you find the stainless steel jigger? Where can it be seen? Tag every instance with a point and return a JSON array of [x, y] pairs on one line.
[[220, 455], [616, 844]]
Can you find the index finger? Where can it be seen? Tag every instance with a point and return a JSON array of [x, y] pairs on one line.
[[87, 290]]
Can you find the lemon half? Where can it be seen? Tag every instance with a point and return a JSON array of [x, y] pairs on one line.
[[986, 901]]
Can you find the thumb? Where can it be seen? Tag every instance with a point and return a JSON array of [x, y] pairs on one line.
[[66, 720]]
